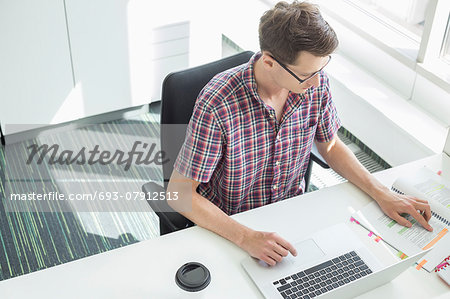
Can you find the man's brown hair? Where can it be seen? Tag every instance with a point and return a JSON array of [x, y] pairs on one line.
[[287, 29]]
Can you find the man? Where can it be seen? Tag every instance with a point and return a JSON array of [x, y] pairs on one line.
[[252, 128]]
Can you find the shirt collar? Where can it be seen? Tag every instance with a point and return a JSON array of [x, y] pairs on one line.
[[248, 76]]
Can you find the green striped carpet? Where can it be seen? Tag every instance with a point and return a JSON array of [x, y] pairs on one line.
[[34, 239]]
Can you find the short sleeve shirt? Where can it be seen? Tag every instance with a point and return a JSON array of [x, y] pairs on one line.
[[238, 151]]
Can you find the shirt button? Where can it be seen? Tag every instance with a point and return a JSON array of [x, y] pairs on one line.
[[275, 187], [277, 163]]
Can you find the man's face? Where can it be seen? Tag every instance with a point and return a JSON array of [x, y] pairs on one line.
[[305, 68]]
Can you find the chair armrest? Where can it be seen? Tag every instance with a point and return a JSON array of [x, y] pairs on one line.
[[152, 187], [159, 206], [316, 157], [166, 214]]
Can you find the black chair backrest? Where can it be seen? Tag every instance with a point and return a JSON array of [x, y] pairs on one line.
[[179, 93]]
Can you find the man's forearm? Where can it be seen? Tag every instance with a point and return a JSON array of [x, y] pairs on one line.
[[203, 212], [344, 162], [266, 246], [207, 215]]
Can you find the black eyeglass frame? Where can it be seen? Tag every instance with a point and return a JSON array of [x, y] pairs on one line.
[[294, 75]]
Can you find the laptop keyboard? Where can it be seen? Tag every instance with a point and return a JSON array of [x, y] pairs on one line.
[[323, 278]]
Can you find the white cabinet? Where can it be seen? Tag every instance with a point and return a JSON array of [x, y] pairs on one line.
[[65, 60], [104, 54], [170, 52], [35, 67]]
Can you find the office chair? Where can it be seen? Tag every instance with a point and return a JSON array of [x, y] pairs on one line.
[[179, 93]]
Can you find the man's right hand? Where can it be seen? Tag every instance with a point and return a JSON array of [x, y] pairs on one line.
[[268, 247]]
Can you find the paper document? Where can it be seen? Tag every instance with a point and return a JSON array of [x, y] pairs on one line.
[[409, 240], [427, 185]]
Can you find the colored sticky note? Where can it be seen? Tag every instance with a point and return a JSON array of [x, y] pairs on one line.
[[442, 266], [420, 265], [437, 238], [401, 255], [354, 220]]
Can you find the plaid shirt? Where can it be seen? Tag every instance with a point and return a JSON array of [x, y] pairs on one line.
[[237, 150]]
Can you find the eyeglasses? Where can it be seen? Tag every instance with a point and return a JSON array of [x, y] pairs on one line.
[[294, 75]]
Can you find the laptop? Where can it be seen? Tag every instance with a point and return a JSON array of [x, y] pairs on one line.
[[331, 263]]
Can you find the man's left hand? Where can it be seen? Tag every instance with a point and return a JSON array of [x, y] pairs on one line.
[[394, 205]]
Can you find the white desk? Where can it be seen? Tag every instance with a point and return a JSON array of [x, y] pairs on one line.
[[147, 269]]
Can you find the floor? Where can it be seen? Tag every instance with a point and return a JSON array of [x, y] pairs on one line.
[[38, 237]]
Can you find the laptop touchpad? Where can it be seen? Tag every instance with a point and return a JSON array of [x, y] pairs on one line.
[[307, 251]]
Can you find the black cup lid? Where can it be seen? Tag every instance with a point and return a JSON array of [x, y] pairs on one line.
[[193, 277]]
